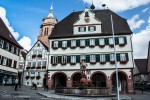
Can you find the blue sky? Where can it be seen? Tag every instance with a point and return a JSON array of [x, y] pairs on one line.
[[24, 17]]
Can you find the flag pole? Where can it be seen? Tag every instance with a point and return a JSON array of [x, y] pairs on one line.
[[115, 58]]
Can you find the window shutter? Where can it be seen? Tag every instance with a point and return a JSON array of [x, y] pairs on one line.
[[116, 40], [68, 43], [78, 58], [127, 56], [84, 29], [78, 43], [87, 58], [89, 28], [0, 59], [51, 59], [59, 44], [68, 59], [106, 41], [125, 40], [107, 57], [97, 42], [97, 58], [59, 59], [94, 28], [79, 29], [118, 56], [52, 44], [87, 42]]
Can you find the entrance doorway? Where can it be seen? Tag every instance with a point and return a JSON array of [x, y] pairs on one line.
[[99, 80], [122, 82], [76, 78], [59, 80]]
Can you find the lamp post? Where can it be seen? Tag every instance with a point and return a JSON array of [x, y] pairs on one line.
[[118, 98]]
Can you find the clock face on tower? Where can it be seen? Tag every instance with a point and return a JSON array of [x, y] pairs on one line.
[[87, 19]]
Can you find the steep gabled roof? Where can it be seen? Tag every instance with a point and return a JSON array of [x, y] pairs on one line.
[[6, 34], [65, 27], [141, 65]]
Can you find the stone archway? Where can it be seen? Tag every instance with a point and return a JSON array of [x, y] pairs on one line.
[[98, 79], [59, 79], [76, 77], [122, 81]]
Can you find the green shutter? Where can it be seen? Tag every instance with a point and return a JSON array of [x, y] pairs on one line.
[[116, 40], [97, 58], [106, 41], [79, 29], [78, 43], [107, 57], [125, 40], [87, 58], [78, 58], [97, 42], [94, 28], [68, 59], [59, 44], [68, 43], [127, 56], [84, 29], [52, 44], [59, 59], [87, 42], [51, 59], [89, 28], [118, 56]]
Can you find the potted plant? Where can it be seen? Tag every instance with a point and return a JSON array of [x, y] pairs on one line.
[[38, 77], [27, 77]]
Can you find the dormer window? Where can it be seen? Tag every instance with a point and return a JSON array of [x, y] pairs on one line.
[[92, 28], [82, 29]]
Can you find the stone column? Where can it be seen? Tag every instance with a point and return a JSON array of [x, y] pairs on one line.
[[109, 84], [50, 82], [69, 83], [130, 86]]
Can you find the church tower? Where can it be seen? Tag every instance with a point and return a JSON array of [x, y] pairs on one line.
[[47, 27]]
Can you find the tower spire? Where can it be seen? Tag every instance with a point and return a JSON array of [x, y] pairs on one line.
[[92, 6], [51, 11]]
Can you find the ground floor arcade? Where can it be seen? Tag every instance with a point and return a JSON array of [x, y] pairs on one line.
[[99, 78]]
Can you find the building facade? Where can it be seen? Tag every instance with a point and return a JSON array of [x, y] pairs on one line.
[[9, 56], [36, 59], [148, 62], [87, 36]]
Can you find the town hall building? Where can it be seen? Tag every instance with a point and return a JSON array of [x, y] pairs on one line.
[[87, 36]]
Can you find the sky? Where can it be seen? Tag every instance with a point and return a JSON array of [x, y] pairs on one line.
[[24, 17]]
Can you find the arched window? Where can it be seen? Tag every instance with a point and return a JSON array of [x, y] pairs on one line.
[[86, 14]]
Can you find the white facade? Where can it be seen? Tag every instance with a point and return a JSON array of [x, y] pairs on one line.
[[36, 65]]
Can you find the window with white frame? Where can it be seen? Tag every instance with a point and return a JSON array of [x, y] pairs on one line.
[[92, 28], [28, 73], [111, 41], [40, 52], [39, 63], [73, 43], [29, 64], [64, 44], [102, 58], [4, 61], [82, 57], [34, 64], [123, 57], [92, 58], [55, 44], [38, 73], [82, 42], [12, 49], [92, 41], [34, 52], [64, 59], [121, 40], [44, 63], [101, 41], [73, 59], [55, 59], [1, 43], [7, 46], [112, 57], [82, 29]]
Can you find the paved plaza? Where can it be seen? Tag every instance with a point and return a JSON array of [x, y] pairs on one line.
[[25, 93]]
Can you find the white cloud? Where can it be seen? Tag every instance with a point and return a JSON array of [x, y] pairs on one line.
[[135, 22], [144, 10], [3, 16], [140, 42], [25, 42], [118, 5]]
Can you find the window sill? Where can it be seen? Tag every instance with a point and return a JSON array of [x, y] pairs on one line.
[[55, 47], [73, 47], [64, 47], [121, 45], [82, 46], [92, 62], [91, 46], [63, 63], [54, 64]]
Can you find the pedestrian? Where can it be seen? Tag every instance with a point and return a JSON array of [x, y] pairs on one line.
[[16, 84], [3, 82]]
